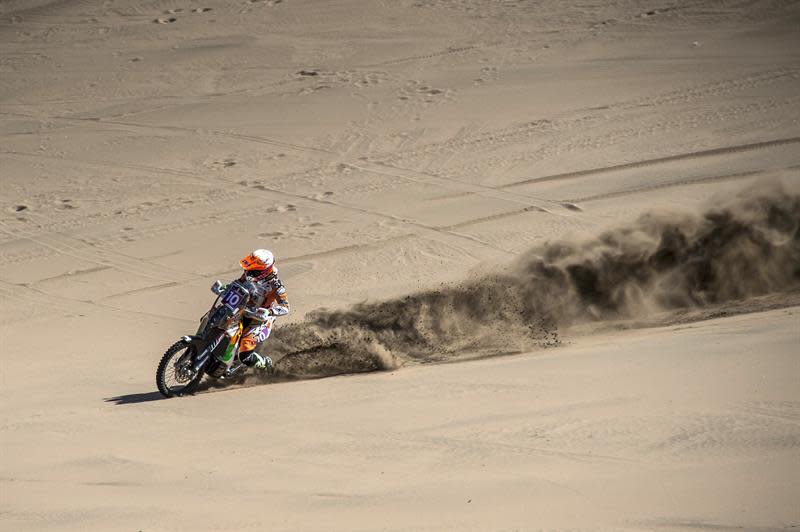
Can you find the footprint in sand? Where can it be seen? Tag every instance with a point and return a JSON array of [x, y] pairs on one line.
[[416, 90], [654, 12], [488, 73], [225, 163]]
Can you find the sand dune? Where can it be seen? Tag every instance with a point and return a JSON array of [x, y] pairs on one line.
[[605, 193]]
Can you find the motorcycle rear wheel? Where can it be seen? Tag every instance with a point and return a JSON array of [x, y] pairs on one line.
[[175, 375]]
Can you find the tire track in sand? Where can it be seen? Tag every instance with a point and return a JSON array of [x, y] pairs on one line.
[[56, 243], [31, 299], [101, 259], [524, 131], [645, 163], [269, 192], [727, 150], [679, 183]]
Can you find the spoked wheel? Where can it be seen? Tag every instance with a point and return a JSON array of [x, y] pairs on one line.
[[175, 374]]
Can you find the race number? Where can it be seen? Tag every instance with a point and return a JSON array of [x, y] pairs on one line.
[[231, 299]]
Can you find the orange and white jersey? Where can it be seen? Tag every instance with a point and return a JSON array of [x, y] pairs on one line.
[[277, 300], [275, 297]]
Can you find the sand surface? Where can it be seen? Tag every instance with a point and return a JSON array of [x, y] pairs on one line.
[[385, 149]]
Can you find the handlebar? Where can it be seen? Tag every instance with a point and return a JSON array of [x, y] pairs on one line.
[[258, 313]]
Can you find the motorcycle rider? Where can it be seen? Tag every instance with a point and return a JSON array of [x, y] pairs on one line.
[[259, 267]]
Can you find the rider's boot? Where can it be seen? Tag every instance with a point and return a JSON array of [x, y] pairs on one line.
[[254, 360]]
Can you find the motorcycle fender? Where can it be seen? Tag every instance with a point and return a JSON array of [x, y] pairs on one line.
[[203, 355], [196, 341]]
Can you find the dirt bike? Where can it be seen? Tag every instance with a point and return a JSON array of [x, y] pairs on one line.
[[213, 348]]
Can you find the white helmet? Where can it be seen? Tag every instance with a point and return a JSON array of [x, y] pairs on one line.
[[258, 264]]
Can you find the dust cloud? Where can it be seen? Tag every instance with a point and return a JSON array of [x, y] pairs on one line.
[[746, 245]]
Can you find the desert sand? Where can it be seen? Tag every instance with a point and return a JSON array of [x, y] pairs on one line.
[[566, 233]]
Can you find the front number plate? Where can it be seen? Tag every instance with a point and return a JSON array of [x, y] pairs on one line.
[[232, 299]]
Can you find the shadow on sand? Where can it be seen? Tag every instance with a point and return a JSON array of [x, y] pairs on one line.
[[133, 398]]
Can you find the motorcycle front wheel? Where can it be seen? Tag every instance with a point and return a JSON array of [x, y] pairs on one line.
[[175, 374]]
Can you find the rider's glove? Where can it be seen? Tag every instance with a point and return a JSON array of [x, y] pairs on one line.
[[258, 313], [218, 287]]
